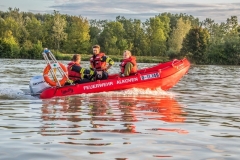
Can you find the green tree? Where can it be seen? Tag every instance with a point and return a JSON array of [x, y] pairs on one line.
[[2, 27], [95, 29], [195, 45], [232, 25], [134, 35], [220, 50], [16, 23], [5, 49], [48, 40], [37, 51], [78, 35], [58, 29], [232, 49], [11, 28], [176, 38], [25, 50], [156, 29], [112, 38], [12, 50], [34, 29]]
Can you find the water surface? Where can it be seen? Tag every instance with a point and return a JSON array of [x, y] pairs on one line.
[[196, 119]]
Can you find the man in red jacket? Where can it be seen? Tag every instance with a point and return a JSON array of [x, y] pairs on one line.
[[76, 73], [100, 62]]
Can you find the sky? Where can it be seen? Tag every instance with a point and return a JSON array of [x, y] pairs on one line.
[[217, 10]]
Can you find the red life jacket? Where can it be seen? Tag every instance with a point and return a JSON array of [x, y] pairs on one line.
[[72, 75], [97, 63], [131, 59]]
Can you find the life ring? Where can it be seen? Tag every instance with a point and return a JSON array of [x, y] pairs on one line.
[[52, 82], [173, 64]]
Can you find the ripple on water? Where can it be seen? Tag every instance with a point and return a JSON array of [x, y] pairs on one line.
[[199, 116]]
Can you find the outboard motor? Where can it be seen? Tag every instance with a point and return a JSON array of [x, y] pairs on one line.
[[37, 85]]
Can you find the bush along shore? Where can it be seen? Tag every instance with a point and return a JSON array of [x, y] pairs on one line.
[[165, 36]]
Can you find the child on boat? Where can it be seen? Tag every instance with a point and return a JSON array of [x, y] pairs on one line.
[[128, 65]]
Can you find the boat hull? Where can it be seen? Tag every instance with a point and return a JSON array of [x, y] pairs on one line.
[[164, 75]]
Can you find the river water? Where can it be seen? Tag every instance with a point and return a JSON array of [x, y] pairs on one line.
[[199, 118]]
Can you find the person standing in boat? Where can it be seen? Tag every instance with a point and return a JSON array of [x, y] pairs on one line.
[[100, 62], [76, 73], [128, 65]]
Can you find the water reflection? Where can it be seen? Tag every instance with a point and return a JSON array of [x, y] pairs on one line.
[[74, 128], [113, 114]]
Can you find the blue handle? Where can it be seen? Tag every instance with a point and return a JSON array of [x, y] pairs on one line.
[[46, 50]]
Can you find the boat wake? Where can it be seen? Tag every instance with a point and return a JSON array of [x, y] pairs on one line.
[[21, 94], [10, 93], [158, 92], [137, 91]]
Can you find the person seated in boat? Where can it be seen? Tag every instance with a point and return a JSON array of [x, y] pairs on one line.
[[100, 63], [128, 64], [76, 73]]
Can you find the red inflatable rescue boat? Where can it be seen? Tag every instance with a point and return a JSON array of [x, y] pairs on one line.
[[164, 75]]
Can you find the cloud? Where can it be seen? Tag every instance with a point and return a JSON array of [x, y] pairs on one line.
[[142, 9]]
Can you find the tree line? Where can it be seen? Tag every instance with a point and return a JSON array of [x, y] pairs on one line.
[[25, 34]]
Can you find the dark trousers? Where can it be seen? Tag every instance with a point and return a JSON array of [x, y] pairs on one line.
[[84, 80], [103, 77]]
